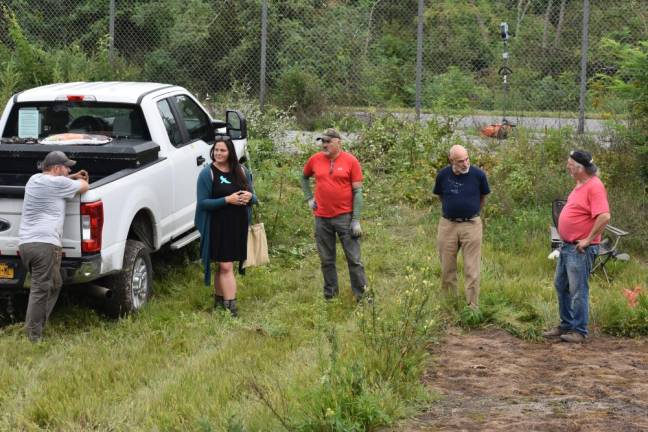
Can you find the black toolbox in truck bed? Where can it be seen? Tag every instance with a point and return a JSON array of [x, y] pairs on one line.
[[18, 162]]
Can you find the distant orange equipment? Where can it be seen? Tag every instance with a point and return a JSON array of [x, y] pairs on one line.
[[497, 130]]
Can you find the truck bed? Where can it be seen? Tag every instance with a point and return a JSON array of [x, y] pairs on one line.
[[18, 162]]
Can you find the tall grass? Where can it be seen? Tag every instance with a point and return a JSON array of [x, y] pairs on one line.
[[293, 361]]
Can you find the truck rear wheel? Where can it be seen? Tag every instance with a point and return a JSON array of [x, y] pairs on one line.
[[133, 285]]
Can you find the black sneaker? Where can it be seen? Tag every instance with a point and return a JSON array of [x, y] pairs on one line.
[[365, 299]]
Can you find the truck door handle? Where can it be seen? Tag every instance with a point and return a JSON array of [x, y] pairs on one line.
[[200, 160]]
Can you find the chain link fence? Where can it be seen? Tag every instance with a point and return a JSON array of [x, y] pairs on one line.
[[320, 53]]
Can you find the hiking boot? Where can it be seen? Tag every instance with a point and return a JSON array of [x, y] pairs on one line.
[[573, 337], [230, 305], [554, 332], [219, 302]]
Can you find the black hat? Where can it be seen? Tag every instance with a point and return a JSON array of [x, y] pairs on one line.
[[328, 134], [582, 157], [57, 157]]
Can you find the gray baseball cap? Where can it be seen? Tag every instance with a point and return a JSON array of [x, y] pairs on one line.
[[57, 157], [328, 134]]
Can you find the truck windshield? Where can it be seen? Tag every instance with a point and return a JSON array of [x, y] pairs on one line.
[[39, 120]]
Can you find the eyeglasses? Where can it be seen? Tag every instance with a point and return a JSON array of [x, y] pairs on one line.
[[222, 138]]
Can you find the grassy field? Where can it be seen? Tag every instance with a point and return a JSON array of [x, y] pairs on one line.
[[291, 361]]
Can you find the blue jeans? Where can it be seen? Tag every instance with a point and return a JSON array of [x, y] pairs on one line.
[[572, 286]]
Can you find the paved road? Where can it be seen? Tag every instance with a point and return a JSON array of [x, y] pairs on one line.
[[464, 126], [538, 123]]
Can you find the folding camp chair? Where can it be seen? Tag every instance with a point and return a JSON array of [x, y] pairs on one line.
[[609, 243]]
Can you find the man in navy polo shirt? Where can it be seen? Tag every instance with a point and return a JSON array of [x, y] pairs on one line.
[[462, 189]]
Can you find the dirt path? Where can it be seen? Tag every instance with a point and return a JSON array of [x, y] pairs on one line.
[[489, 380]]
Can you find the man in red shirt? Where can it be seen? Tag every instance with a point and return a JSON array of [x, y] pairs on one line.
[[336, 205], [580, 225]]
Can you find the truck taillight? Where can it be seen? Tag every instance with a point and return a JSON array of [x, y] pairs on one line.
[[91, 226]]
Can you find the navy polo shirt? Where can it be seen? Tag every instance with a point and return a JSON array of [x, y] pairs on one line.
[[461, 194]]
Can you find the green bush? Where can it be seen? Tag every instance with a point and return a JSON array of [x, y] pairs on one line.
[[405, 153], [549, 92], [454, 91], [29, 65], [301, 93]]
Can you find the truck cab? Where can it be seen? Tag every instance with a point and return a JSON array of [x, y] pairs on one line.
[[143, 145]]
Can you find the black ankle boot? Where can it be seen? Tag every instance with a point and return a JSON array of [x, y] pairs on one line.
[[230, 305], [219, 302]]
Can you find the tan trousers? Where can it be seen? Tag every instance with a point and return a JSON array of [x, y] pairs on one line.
[[466, 236]]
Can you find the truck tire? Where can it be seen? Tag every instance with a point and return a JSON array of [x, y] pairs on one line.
[[132, 286]]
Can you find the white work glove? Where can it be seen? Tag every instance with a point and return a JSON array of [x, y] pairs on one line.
[[312, 204], [356, 230]]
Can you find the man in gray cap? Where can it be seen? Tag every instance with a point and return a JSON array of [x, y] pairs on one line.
[[41, 231], [580, 225], [336, 205]]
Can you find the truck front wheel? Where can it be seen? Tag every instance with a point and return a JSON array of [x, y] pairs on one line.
[[132, 286]]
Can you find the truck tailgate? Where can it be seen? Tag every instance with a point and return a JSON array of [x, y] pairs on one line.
[[10, 214]]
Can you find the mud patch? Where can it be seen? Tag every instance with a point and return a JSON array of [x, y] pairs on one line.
[[488, 380]]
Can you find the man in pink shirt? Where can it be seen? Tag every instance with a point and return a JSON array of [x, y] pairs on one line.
[[580, 225], [336, 206]]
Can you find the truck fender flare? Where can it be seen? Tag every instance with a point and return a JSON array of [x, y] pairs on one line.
[[140, 203]]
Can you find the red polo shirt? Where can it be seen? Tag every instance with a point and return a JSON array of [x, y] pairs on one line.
[[333, 178], [584, 204]]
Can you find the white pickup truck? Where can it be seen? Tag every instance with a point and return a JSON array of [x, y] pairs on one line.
[[143, 145]]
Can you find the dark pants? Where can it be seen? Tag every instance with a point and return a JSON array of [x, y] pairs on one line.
[[43, 260], [325, 232]]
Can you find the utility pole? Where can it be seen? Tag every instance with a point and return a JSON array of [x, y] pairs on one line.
[[264, 37], [583, 71], [419, 58], [111, 32]]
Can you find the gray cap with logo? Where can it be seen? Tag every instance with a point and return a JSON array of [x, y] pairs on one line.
[[328, 135], [56, 157]]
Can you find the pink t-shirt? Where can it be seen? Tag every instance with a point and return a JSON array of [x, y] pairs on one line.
[[584, 204]]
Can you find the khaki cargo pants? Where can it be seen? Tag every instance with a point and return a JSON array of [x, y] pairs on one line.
[[467, 236]]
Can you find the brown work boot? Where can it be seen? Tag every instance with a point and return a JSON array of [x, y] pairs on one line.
[[554, 332], [573, 337]]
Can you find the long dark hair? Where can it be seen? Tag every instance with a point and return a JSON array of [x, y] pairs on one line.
[[238, 175]]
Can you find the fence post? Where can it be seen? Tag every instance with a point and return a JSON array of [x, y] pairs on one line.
[[264, 37], [419, 58], [111, 33], [583, 64]]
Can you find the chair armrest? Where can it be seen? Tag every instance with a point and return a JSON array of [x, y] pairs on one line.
[[616, 231], [556, 241]]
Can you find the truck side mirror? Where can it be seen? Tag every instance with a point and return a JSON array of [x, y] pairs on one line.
[[236, 124], [217, 125]]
